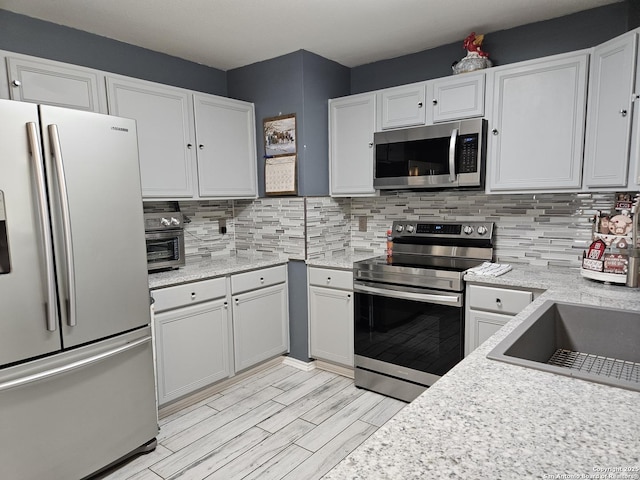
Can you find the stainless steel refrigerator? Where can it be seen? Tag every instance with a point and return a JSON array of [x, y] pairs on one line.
[[76, 369]]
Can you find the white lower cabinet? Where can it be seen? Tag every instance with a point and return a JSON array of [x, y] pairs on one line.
[[192, 326], [260, 316], [488, 309], [331, 315]]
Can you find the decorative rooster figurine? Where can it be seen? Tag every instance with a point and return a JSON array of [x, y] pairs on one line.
[[473, 43], [476, 59]]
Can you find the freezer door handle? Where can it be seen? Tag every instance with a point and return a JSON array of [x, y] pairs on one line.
[[54, 139], [37, 377], [45, 230]]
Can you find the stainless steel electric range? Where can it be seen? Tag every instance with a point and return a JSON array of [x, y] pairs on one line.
[[409, 308]]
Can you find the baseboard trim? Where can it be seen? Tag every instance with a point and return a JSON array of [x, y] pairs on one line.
[[299, 364], [333, 368]]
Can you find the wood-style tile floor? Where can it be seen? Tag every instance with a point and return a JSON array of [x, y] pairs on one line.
[[280, 423]]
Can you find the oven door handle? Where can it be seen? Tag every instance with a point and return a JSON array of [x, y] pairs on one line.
[[452, 300]]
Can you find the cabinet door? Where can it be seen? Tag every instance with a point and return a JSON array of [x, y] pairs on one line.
[[54, 83], [192, 348], [609, 113], [458, 97], [164, 119], [481, 326], [226, 136], [403, 106], [260, 325], [331, 325], [351, 127], [537, 125]]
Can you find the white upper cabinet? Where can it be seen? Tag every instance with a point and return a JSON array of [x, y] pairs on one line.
[[351, 127], [225, 134], [164, 120], [609, 114], [403, 106], [461, 96], [536, 125], [37, 80]]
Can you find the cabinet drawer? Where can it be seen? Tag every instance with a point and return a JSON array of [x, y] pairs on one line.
[[327, 277], [242, 282], [189, 294], [500, 300]]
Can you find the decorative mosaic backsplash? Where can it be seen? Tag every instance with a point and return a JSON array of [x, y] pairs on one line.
[[271, 225], [539, 229]]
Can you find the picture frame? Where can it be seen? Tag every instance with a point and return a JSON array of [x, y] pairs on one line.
[[280, 135]]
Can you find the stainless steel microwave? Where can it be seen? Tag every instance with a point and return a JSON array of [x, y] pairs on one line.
[[446, 155]]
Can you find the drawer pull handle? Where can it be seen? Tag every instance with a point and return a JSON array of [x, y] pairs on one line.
[[328, 279], [498, 302], [261, 279], [193, 295]]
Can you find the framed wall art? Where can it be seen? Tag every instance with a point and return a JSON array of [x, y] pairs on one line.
[[280, 135]]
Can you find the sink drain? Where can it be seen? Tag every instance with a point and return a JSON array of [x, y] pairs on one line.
[[596, 365]]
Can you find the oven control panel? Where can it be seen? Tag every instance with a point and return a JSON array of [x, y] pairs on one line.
[[416, 229]]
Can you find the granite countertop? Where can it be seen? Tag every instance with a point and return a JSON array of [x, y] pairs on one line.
[[343, 262], [210, 268], [489, 419]]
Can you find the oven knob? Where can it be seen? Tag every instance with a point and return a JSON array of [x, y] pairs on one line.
[[165, 222], [482, 230], [410, 228], [175, 221], [399, 228], [467, 229]]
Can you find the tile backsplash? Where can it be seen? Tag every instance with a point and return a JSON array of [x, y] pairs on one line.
[[539, 229]]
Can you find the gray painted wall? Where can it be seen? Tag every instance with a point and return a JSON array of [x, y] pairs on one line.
[[572, 32], [30, 36], [298, 318]]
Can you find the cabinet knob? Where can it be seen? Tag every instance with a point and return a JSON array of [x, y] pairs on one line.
[[494, 131], [189, 145], [348, 295], [419, 104], [498, 302], [434, 101], [237, 301], [201, 147], [328, 279], [261, 279], [370, 144], [623, 112], [193, 295], [225, 305], [16, 83]]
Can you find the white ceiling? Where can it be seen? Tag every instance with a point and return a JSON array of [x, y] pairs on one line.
[[226, 34]]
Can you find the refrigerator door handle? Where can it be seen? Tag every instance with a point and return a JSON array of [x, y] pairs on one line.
[[54, 139], [36, 377], [43, 208]]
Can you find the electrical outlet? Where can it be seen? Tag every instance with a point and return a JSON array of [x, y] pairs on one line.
[[222, 226], [362, 223]]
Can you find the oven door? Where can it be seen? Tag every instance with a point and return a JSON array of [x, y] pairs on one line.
[[412, 334], [165, 250]]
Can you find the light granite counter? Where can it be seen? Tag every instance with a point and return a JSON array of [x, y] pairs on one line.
[[342, 262], [215, 267], [487, 419]]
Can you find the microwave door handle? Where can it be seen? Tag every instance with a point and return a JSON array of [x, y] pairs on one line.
[[54, 139], [45, 226], [452, 155]]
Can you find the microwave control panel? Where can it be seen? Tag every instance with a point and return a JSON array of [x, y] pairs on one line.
[[468, 153]]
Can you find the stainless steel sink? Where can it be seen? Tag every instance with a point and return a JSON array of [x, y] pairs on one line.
[[592, 343]]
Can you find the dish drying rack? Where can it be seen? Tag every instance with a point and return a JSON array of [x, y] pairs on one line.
[[625, 245]]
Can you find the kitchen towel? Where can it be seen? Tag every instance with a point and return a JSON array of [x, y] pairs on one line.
[[490, 269]]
